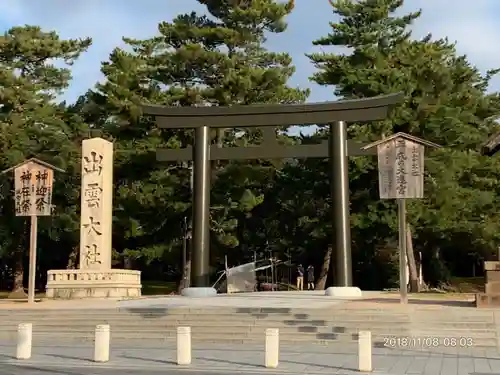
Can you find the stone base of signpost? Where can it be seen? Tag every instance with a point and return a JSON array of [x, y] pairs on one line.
[[343, 291], [491, 295], [76, 284]]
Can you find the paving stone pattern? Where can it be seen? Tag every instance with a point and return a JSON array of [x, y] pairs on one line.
[[250, 359], [228, 335]]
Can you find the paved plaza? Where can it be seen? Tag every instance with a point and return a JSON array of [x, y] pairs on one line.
[[151, 357], [283, 299], [247, 359]]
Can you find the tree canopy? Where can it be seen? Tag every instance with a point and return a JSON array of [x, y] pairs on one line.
[[259, 208]]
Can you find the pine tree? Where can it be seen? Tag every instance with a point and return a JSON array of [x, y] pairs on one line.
[[445, 101], [32, 124], [215, 59]]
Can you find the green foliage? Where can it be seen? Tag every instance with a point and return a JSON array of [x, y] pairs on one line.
[[258, 207], [195, 60], [445, 101], [32, 124]]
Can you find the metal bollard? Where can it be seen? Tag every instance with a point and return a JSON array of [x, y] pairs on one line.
[[272, 347], [184, 345], [365, 351], [101, 345], [24, 340]]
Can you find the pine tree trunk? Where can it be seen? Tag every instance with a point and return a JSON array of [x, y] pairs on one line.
[[185, 277], [18, 285], [73, 259], [323, 276], [185, 282], [19, 273], [128, 263], [412, 266], [421, 271]]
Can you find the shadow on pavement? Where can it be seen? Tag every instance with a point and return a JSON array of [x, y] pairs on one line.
[[435, 302], [217, 360], [161, 361], [69, 357], [316, 365], [39, 370]]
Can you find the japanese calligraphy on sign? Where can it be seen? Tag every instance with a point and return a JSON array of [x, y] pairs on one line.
[[92, 168], [96, 204], [92, 255], [33, 189], [385, 170], [401, 167], [92, 195], [93, 163]]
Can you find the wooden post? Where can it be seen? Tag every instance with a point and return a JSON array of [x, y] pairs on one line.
[[32, 269], [403, 290]]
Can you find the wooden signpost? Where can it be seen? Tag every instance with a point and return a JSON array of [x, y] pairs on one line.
[[401, 176], [33, 181]]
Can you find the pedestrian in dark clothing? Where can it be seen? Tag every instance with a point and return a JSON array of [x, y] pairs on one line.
[[300, 277], [310, 277]]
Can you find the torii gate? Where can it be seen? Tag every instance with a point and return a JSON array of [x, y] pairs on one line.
[[268, 117]]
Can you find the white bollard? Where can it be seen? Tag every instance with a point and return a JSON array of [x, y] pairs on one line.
[[365, 351], [183, 345], [24, 339], [272, 347], [101, 345]]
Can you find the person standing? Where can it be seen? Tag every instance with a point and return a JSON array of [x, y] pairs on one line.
[[310, 277], [300, 277]]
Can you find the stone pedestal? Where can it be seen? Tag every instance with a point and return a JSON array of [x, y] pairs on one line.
[[95, 278], [491, 295], [74, 284], [343, 292]]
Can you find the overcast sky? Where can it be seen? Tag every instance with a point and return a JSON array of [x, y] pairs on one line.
[[473, 25]]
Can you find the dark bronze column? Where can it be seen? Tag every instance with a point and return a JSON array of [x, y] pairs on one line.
[[341, 227], [201, 208]]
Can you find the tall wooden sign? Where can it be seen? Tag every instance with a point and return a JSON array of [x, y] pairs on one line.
[[401, 176], [33, 181], [33, 189], [401, 169]]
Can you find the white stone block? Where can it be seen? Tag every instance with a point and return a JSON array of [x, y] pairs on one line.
[[365, 351], [101, 347], [24, 340], [272, 347], [344, 292], [184, 346]]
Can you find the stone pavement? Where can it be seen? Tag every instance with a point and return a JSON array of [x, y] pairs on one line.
[[28, 370], [312, 359], [284, 299]]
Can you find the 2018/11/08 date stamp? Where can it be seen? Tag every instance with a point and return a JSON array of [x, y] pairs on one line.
[[427, 342]]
